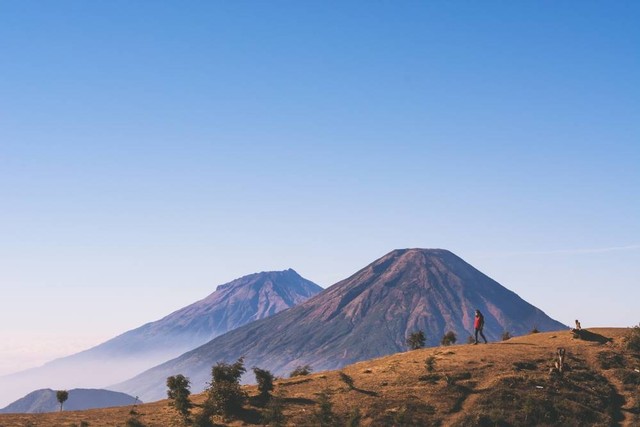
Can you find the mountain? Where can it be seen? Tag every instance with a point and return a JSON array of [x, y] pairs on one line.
[[45, 400], [234, 304], [367, 315]]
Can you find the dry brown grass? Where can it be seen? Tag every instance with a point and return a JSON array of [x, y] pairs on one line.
[[471, 385]]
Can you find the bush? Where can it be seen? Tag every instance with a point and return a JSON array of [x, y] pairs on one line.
[[224, 396], [416, 340], [301, 371], [134, 422], [430, 363], [471, 339], [264, 379], [506, 336], [633, 339], [449, 338], [178, 394], [535, 330]]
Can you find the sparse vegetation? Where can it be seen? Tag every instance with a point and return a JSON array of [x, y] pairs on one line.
[[535, 330], [506, 336], [178, 394], [62, 396], [497, 385], [416, 340], [471, 339], [449, 338]]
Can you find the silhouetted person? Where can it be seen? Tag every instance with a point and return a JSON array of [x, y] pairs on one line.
[[578, 327], [478, 324]]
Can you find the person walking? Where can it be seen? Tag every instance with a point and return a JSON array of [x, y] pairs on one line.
[[478, 324]]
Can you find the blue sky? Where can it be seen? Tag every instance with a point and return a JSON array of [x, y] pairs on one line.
[[150, 151]]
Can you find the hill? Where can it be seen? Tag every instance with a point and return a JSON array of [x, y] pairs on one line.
[[45, 400], [504, 383], [367, 315], [231, 305]]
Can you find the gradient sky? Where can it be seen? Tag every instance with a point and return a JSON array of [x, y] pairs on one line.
[[152, 150]]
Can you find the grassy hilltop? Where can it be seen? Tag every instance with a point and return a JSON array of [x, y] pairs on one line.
[[503, 383]]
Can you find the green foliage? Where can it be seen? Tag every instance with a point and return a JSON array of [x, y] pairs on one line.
[[264, 379], [324, 415], [347, 380], [506, 336], [62, 396], [416, 340], [203, 419], [449, 338], [430, 363], [178, 394], [301, 371], [224, 396], [633, 339]]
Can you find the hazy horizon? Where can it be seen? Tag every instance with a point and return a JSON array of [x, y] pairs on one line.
[[152, 151]]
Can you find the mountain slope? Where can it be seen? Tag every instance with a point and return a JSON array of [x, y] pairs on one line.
[[45, 400], [503, 383], [232, 305], [367, 315]]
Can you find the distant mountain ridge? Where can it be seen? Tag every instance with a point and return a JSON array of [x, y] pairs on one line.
[[231, 305], [367, 315], [45, 400]]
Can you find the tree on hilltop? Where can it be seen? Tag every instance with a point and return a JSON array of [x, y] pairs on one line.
[[416, 340], [62, 396]]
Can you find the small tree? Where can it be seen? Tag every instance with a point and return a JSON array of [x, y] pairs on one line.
[[449, 338], [506, 336], [301, 371], [178, 394], [264, 379], [225, 397], [416, 340], [62, 396]]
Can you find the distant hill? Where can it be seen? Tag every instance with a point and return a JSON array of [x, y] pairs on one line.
[[234, 304], [367, 315], [45, 400]]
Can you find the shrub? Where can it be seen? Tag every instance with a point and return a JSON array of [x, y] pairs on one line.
[[264, 379], [224, 396], [134, 422], [416, 340], [470, 339], [178, 394], [449, 338], [535, 330], [633, 338], [430, 363], [301, 371], [506, 336]]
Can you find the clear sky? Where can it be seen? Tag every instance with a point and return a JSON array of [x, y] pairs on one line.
[[152, 150]]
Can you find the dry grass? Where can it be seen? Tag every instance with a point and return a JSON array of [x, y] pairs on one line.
[[504, 383]]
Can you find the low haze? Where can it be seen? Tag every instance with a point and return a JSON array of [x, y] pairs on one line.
[[150, 151]]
